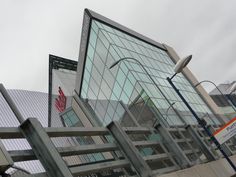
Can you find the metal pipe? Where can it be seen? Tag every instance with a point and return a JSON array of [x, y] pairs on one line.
[[50, 91], [11, 104]]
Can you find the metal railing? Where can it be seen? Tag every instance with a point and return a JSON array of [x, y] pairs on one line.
[[126, 151], [153, 156]]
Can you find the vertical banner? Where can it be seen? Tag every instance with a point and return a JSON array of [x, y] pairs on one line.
[[60, 101]]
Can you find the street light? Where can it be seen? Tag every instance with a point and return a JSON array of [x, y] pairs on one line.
[[150, 77], [232, 89], [181, 64]]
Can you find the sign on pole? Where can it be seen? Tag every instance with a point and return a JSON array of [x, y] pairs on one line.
[[226, 132]]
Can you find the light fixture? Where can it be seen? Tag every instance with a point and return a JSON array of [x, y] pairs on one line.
[[181, 64]]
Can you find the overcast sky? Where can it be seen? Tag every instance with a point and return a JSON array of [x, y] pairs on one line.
[[30, 30]]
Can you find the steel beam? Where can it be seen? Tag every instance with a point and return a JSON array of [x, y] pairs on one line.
[[10, 132], [13, 132], [76, 131], [44, 148], [130, 151], [150, 143], [138, 130], [5, 159], [34, 175], [11, 104], [98, 167], [24, 155], [155, 158]]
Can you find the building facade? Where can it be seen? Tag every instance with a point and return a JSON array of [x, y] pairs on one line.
[[224, 99], [134, 93], [125, 93], [108, 91]]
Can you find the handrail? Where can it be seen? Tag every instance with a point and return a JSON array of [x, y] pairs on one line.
[[29, 154], [14, 132]]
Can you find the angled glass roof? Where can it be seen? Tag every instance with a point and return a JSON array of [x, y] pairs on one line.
[[107, 42]]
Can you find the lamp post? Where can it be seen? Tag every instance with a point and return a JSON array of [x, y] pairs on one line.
[[150, 77], [232, 89], [178, 68]]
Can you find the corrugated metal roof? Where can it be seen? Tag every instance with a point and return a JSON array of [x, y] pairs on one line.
[[30, 104]]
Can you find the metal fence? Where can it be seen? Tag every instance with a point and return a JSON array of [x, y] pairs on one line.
[[127, 151]]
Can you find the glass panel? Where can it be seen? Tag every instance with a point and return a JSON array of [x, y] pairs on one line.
[[126, 80]]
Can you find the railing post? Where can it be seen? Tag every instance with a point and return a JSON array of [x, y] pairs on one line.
[[5, 159], [11, 103], [182, 159], [202, 145], [130, 151], [44, 148]]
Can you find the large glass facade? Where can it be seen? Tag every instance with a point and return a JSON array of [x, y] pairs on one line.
[[106, 88]]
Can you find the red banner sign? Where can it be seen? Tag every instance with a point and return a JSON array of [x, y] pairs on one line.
[[60, 101]]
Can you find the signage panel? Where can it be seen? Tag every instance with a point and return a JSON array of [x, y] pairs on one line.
[[226, 132]]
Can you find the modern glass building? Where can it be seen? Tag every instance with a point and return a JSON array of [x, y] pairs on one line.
[[157, 127], [135, 93], [110, 92]]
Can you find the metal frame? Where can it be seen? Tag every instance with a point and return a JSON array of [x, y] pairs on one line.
[[11, 104], [51, 157], [5, 159], [181, 157], [203, 146], [44, 148], [129, 150]]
